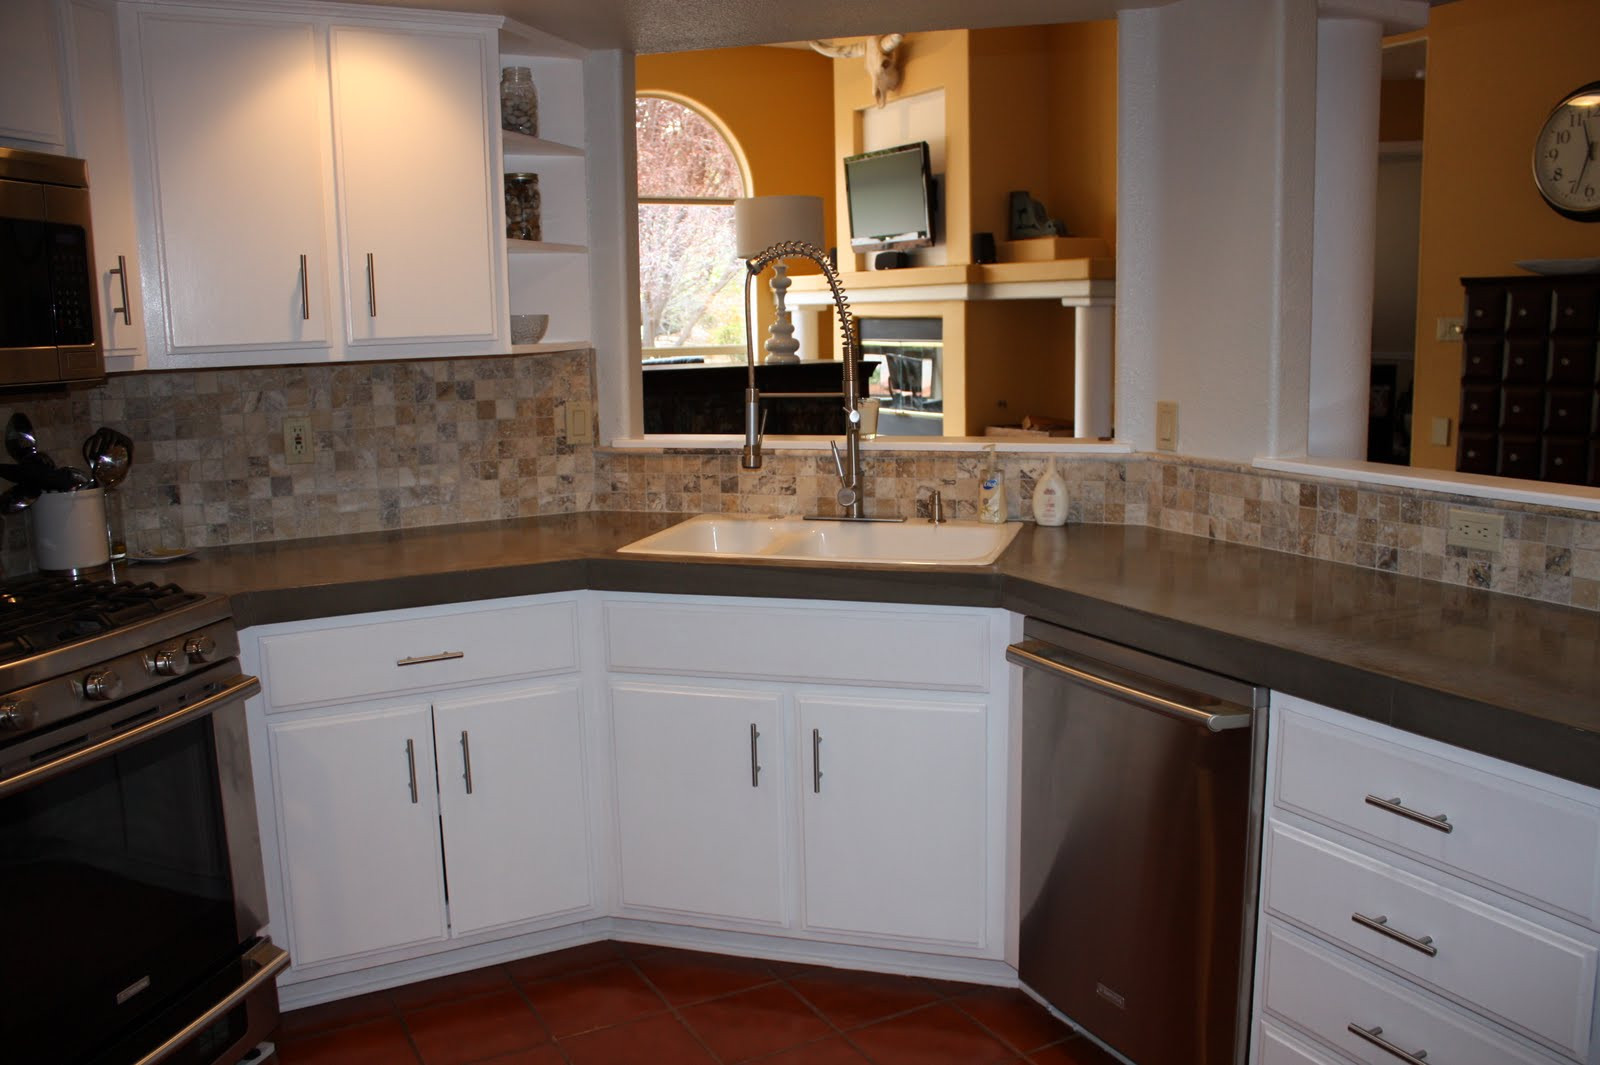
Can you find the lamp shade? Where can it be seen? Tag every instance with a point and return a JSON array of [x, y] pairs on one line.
[[759, 222]]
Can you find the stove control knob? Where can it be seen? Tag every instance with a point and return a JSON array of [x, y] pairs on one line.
[[102, 684], [168, 662], [199, 648], [16, 715]]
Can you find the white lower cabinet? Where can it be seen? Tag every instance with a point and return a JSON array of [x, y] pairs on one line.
[[1418, 902], [892, 816], [700, 802]]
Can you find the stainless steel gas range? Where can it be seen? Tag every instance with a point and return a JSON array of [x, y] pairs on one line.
[[130, 865]]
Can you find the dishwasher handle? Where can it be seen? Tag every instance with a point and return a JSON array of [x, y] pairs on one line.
[[1216, 716]]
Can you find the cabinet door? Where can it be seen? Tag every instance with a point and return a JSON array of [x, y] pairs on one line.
[[413, 156], [237, 113], [30, 83], [100, 136], [699, 802], [893, 816], [511, 794], [358, 826]]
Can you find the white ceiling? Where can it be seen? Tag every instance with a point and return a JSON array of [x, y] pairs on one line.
[[685, 25]]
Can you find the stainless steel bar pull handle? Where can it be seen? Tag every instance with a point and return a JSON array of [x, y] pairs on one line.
[[411, 768], [263, 962], [1035, 654], [1395, 806], [466, 760], [1374, 1035], [442, 656], [755, 762], [305, 290], [372, 289], [122, 275], [1380, 924], [816, 761]]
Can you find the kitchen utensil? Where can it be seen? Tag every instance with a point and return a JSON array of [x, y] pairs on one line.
[[45, 478], [69, 530], [109, 455], [17, 498], [21, 443]]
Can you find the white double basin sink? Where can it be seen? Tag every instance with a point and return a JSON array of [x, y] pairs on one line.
[[908, 543]]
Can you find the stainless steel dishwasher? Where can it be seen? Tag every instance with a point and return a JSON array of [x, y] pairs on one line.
[[1141, 798]]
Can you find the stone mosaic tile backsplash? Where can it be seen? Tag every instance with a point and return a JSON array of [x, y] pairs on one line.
[[423, 443]]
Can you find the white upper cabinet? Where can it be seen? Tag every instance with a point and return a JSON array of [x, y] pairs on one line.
[[414, 159], [30, 77], [236, 119], [99, 135]]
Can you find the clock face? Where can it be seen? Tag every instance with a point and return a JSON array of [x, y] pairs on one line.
[[1566, 156]]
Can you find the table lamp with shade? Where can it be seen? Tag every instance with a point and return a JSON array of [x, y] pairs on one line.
[[760, 222]]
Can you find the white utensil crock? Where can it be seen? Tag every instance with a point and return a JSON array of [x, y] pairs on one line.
[[69, 530]]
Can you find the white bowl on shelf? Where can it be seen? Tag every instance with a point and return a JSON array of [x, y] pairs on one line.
[[528, 328]]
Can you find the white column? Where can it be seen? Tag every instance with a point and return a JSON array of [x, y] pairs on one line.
[[1349, 75], [1093, 328], [808, 322]]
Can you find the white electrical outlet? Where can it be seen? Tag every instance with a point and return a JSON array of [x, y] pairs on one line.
[[580, 422], [298, 445], [1474, 530], [1166, 426]]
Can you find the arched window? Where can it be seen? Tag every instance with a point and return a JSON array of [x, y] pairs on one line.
[[690, 290]]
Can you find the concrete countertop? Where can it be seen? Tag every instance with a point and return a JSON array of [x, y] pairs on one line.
[[1511, 678]]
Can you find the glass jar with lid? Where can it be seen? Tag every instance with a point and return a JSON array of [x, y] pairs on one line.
[[522, 207], [519, 103]]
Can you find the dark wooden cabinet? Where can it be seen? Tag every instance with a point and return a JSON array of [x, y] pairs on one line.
[[1530, 399]]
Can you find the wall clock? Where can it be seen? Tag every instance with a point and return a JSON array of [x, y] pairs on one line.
[[1566, 155]]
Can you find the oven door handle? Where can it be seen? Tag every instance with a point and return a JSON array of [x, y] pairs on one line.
[[236, 687], [269, 960]]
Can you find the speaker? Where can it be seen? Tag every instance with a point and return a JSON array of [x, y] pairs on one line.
[[891, 260], [983, 248]]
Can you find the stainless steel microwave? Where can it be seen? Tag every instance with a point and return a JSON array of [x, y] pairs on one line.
[[49, 302]]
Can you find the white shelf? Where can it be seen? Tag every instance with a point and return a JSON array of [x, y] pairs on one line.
[[518, 38], [521, 144], [543, 247], [549, 345]]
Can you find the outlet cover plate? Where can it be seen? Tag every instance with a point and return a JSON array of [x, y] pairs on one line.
[[298, 444], [1475, 530], [1166, 426], [580, 423]]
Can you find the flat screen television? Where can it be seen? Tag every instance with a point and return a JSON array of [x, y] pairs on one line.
[[890, 194]]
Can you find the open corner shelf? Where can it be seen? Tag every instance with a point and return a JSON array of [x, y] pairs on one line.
[[549, 346], [543, 247], [515, 143]]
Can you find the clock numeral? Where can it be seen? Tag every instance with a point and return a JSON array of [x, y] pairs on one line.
[[1575, 117], [1556, 174], [1552, 155], [1563, 136], [1588, 192]]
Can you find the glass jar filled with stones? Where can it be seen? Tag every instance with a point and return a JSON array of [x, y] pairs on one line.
[[522, 207], [519, 103]]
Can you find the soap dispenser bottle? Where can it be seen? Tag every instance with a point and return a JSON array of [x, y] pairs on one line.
[[992, 496], [1050, 497]]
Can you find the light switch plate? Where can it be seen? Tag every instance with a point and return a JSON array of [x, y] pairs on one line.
[[298, 444], [1448, 329], [1439, 434], [1166, 426], [580, 422]]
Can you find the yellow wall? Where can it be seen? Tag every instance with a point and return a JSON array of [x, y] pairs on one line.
[[1495, 69], [1083, 129], [1018, 363], [789, 151]]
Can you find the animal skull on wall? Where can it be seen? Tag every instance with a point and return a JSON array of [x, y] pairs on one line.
[[883, 63]]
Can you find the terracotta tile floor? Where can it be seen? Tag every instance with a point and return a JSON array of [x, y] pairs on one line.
[[620, 1004]]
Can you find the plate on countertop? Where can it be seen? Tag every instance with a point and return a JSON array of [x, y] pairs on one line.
[[161, 554], [1557, 267]]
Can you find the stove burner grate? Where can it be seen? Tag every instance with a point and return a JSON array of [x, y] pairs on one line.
[[41, 613]]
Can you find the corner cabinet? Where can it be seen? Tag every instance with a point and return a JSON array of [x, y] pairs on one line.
[[315, 188]]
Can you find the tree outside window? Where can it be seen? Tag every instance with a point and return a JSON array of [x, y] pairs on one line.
[[691, 288]]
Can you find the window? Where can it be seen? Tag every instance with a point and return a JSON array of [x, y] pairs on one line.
[[691, 288]]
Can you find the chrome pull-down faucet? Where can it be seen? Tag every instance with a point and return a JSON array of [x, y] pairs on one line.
[[851, 488]]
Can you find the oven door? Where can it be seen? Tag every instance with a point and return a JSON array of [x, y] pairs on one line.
[[130, 872]]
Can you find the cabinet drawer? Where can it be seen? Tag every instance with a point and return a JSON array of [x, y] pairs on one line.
[[363, 660], [1576, 307], [1477, 452], [1565, 459], [1504, 833], [1530, 977], [1530, 310], [1521, 410], [1481, 359], [1324, 993], [1525, 362], [811, 646], [1480, 407], [1278, 1047], [1486, 308], [1572, 361], [1519, 456]]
